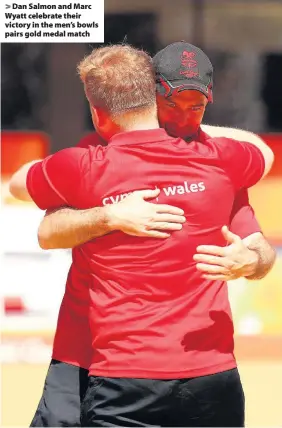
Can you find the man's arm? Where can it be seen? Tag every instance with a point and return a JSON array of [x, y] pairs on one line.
[[244, 223], [17, 185], [252, 257], [245, 136], [68, 228], [265, 252], [257, 256], [52, 182]]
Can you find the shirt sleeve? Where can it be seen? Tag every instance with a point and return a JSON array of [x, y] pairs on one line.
[[92, 139], [55, 181], [86, 141], [243, 162], [242, 220]]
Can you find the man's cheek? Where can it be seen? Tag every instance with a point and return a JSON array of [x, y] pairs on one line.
[[194, 122], [201, 116], [197, 120]]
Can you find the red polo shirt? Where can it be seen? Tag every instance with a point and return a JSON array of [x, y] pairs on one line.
[[151, 313], [242, 221]]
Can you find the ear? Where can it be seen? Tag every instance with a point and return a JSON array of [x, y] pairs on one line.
[[96, 119], [99, 117]]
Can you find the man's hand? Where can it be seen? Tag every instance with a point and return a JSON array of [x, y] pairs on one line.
[[134, 216], [226, 263]]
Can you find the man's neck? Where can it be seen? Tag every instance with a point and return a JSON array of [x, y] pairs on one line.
[[141, 126], [138, 120]]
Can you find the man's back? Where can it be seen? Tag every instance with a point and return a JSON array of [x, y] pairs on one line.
[[151, 310]]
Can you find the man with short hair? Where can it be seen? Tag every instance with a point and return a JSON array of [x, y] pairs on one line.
[[157, 291]]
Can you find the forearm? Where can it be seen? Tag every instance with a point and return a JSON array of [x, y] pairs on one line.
[[233, 133], [242, 135], [68, 228], [266, 255], [17, 185]]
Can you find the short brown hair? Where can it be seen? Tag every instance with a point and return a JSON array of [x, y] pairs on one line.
[[118, 78]]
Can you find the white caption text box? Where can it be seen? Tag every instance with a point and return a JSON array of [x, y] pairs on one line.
[[52, 21]]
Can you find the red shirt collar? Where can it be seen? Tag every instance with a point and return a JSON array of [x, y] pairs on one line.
[[139, 137]]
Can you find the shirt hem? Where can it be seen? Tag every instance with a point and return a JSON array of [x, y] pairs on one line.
[[148, 374], [69, 361]]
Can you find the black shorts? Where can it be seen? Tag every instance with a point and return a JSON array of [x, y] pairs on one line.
[[208, 401], [64, 390]]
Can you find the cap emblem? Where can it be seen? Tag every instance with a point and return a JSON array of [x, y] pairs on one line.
[[187, 59]]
